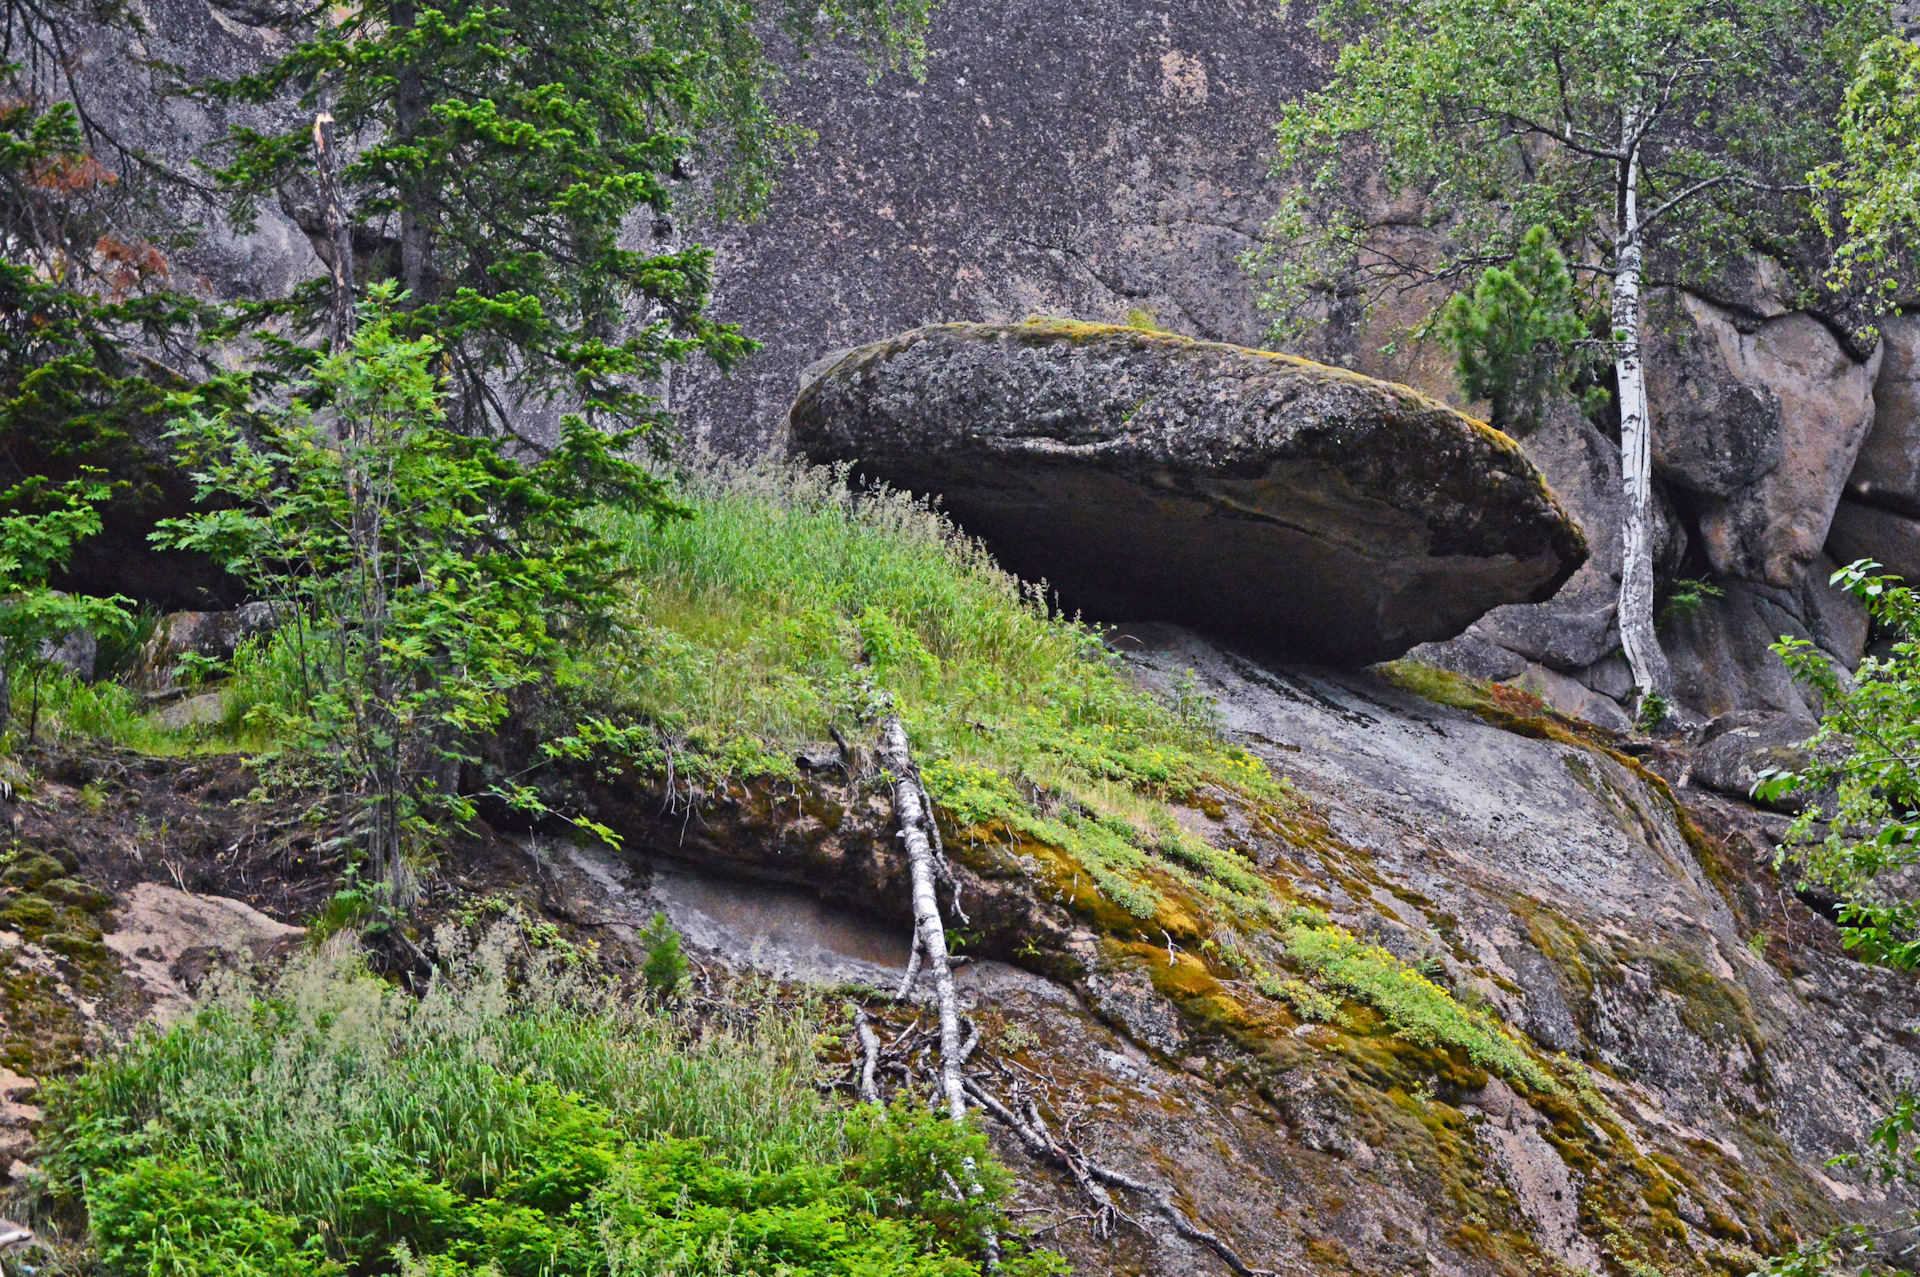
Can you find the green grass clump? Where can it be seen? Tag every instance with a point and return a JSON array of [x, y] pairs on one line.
[[790, 606], [1130, 867], [1414, 1007], [524, 1121], [61, 708], [788, 599]]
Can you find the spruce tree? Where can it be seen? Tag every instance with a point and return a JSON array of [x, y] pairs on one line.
[[509, 164]]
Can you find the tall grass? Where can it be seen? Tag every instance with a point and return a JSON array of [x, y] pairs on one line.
[[293, 1096], [787, 595], [519, 1119], [791, 605]]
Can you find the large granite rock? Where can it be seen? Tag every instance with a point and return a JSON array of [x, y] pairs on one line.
[[1722, 652], [1144, 475], [1763, 420], [1888, 470], [1867, 532], [1576, 627]]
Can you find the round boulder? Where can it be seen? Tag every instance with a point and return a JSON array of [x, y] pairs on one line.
[[1289, 505]]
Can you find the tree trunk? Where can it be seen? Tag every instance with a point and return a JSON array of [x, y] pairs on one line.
[[1637, 638], [339, 231], [928, 930], [409, 114]]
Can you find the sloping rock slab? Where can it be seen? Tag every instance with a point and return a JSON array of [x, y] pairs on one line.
[[1146, 476]]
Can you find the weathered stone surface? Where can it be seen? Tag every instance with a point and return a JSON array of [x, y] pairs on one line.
[[1769, 480], [1064, 159], [1714, 433], [1146, 475], [1563, 871], [1572, 697], [213, 635], [170, 939], [1867, 532], [1473, 656], [1737, 747], [1888, 470], [1576, 627], [1722, 652]]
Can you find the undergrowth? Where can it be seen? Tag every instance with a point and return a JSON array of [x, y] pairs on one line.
[[520, 1119]]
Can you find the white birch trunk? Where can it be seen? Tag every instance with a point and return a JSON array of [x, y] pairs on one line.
[[1637, 638], [927, 928]]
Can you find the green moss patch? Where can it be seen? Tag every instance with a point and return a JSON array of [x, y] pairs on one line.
[[1414, 1007]]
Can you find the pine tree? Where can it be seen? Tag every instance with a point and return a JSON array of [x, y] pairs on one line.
[[509, 166]]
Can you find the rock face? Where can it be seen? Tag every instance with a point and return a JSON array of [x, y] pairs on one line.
[[1770, 440], [1890, 539], [1888, 470], [1726, 1044], [1880, 517], [213, 636], [1144, 475]]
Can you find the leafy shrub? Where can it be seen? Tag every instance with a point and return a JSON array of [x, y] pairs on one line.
[[422, 575], [161, 1216]]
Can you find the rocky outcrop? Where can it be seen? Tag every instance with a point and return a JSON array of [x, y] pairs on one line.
[[1292, 505], [210, 636], [1887, 537], [1887, 472], [1713, 1044], [1880, 517], [1762, 420]]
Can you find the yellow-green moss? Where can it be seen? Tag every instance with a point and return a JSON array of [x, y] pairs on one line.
[[1415, 1007]]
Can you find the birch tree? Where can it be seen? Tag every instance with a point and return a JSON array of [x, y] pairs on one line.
[[1657, 140]]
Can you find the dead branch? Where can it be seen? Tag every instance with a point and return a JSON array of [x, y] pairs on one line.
[[1092, 1177], [910, 805], [870, 1046]]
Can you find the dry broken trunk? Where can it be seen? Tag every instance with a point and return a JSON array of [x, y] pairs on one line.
[[915, 814]]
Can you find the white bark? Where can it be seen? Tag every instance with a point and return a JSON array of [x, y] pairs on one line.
[[914, 810], [1637, 637], [910, 807]]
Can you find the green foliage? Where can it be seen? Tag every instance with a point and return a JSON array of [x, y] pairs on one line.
[[1514, 334], [779, 610], [1687, 596], [1496, 116], [494, 154], [1861, 822], [161, 1216], [1859, 829], [424, 574], [1877, 177], [1414, 1006], [518, 1118], [35, 543], [790, 607], [88, 324], [665, 969]]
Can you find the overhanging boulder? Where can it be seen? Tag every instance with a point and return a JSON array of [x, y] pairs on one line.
[[1147, 476]]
